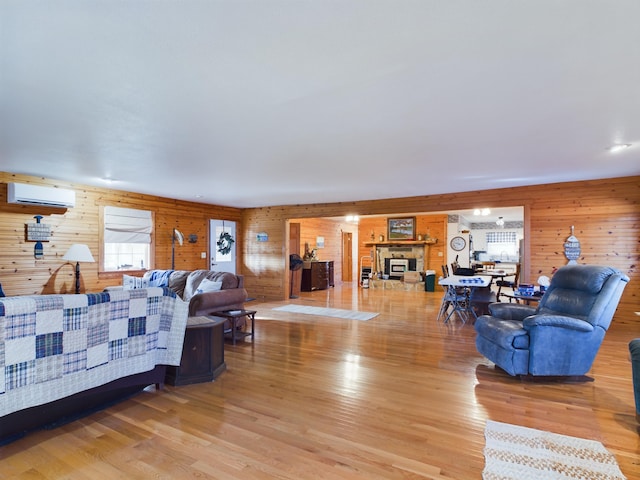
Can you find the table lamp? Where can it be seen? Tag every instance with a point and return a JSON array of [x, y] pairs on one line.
[[78, 253]]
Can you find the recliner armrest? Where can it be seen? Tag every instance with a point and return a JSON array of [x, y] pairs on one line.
[[559, 321], [511, 311]]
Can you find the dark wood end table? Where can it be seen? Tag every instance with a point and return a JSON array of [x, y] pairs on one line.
[[202, 353], [234, 316]]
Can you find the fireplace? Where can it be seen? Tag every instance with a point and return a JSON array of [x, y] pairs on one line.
[[395, 267]]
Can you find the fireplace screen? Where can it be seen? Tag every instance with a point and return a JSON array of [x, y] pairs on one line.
[[395, 267]]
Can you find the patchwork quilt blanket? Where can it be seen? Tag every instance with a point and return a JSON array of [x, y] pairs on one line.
[[52, 346]]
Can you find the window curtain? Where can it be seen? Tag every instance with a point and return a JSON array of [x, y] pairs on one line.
[[127, 225]]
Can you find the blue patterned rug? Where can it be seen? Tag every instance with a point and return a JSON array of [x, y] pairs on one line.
[[328, 312]]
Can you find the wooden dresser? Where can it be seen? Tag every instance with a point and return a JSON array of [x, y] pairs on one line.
[[317, 276]]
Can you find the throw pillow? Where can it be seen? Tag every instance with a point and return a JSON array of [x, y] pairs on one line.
[[207, 285], [129, 282]]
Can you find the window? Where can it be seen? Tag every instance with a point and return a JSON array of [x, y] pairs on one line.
[[127, 239], [502, 246]]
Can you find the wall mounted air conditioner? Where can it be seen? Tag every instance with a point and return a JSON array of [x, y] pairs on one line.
[[25, 194]]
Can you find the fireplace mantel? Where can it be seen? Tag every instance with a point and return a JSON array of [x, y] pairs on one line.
[[397, 243]]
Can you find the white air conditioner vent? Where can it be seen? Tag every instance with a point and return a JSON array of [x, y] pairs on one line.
[[25, 194]]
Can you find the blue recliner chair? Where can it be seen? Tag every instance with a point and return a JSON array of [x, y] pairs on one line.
[[560, 337], [634, 351]]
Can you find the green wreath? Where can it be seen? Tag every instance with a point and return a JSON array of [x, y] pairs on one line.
[[224, 243]]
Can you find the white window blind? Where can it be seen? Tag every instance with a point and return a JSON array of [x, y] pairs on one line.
[[501, 237], [127, 225]]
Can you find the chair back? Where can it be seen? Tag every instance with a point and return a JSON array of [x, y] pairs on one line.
[[454, 266], [588, 292], [516, 277]]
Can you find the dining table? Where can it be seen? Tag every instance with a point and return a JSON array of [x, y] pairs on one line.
[[495, 273], [458, 292], [499, 275]]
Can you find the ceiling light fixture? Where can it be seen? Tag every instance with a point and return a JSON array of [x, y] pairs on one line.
[[482, 212], [618, 147]]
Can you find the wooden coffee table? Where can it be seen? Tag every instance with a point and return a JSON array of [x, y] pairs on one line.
[[234, 316]]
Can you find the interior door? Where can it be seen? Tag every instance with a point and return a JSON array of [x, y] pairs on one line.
[[347, 257], [294, 247], [222, 260]]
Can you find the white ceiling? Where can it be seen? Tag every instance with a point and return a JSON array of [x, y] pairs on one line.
[[266, 102]]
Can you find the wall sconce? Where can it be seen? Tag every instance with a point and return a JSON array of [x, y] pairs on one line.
[[193, 238], [78, 253]]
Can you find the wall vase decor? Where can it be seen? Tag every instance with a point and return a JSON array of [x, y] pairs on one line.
[[572, 248]]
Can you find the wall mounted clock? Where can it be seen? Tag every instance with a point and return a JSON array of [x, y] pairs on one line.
[[458, 243]]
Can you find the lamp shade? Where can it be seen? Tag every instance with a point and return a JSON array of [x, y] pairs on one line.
[[79, 252], [177, 235]]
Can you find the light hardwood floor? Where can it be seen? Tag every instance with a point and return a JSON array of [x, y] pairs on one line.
[[398, 396]]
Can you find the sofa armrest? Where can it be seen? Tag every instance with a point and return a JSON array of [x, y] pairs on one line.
[[511, 311], [209, 302], [559, 321], [113, 288]]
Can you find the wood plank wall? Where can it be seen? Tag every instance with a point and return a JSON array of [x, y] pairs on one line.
[[311, 228], [605, 213], [21, 273]]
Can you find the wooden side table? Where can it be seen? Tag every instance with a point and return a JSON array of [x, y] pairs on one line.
[[234, 316], [202, 352]]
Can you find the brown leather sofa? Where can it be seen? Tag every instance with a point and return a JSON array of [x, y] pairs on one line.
[[185, 283]]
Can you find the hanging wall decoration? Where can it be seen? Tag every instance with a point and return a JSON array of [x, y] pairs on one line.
[[225, 241], [572, 248], [38, 232]]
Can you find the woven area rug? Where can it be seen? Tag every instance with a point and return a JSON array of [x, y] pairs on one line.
[[328, 312], [513, 452]]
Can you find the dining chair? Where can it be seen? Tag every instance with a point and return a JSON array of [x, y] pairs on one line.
[[445, 271], [454, 266], [455, 297], [512, 284]]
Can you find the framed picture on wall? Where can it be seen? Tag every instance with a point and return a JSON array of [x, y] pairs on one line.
[[401, 228]]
